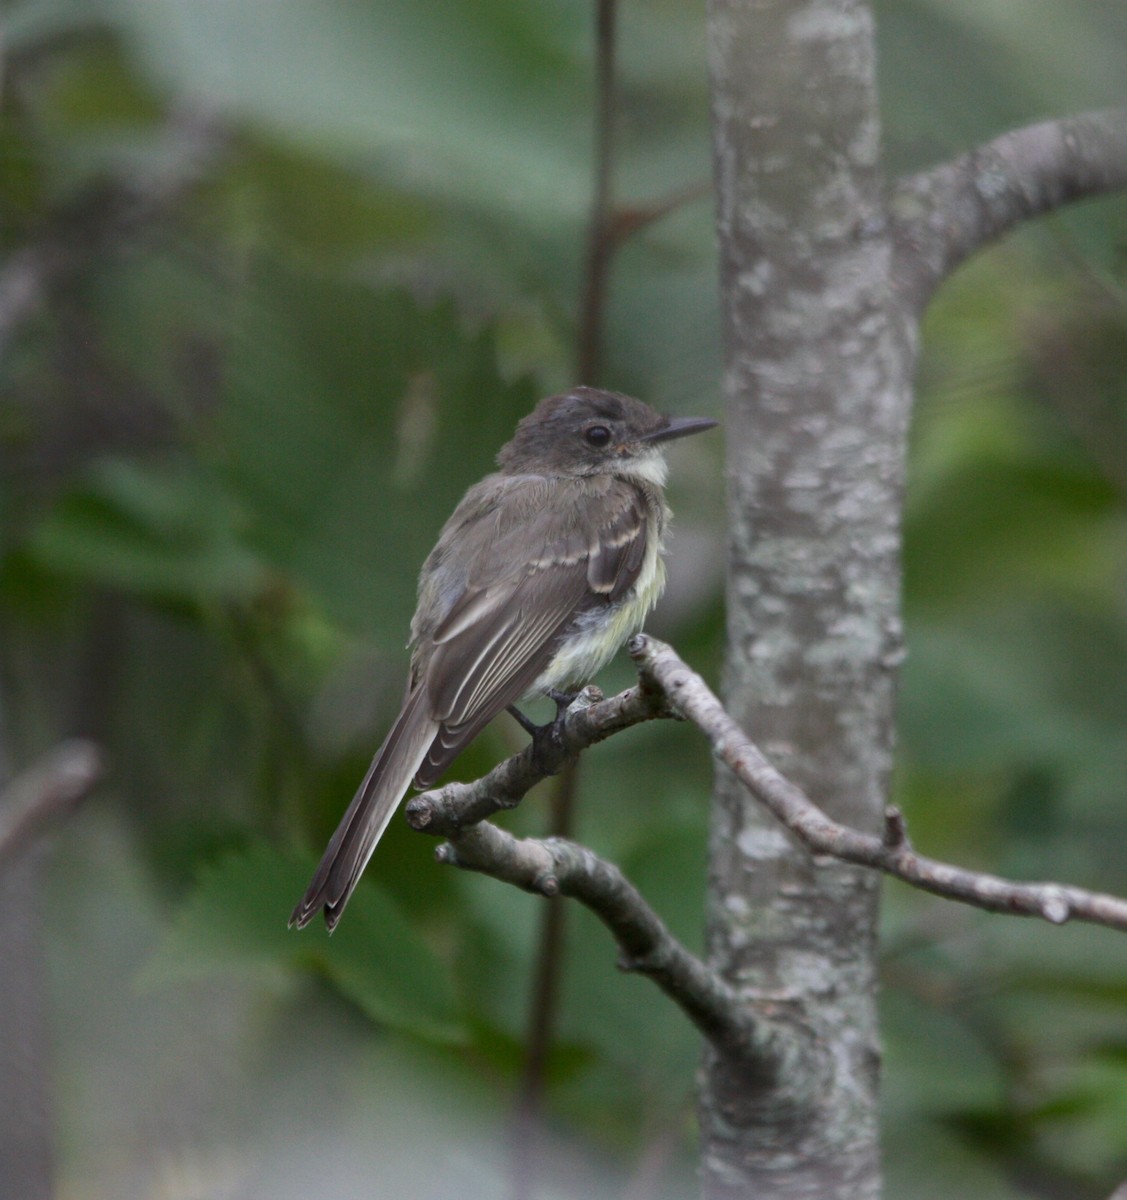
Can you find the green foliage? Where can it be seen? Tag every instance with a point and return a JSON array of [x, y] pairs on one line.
[[356, 387], [160, 530], [229, 435], [230, 924]]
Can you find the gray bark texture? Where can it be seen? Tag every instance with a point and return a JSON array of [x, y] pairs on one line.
[[824, 275], [818, 375]]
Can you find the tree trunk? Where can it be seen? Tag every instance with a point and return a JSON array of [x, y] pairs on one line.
[[818, 371]]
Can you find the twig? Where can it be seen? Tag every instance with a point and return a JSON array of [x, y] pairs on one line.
[[628, 220], [892, 852], [447, 810], [764, 1045], [47, 790], [599, 253], [942, 215], [559, 867], [766, 1048], [544, 1003], [668, 687]]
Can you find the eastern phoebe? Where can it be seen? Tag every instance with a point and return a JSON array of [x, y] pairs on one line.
[[542, 572]]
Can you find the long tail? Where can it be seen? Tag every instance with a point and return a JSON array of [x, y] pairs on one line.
[[372, 807]]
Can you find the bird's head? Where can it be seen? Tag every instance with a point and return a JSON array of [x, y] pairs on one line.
[[587, 431]]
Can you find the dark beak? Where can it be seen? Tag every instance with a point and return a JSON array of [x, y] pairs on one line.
[[678, 427]]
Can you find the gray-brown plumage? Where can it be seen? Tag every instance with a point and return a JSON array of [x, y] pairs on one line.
[[541, 573]]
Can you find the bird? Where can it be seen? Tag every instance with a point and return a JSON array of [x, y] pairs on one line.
[[545, 568]]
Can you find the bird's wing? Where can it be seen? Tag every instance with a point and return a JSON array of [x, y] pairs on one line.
[[503, 631], [614, 562]]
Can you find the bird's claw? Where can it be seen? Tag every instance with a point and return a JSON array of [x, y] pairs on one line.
[[562, 700], [547, 738]]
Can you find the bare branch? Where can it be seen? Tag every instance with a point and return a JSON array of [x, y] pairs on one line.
[[668, 687], [630, 219], [447, 810], [50, 788], [943, 215], [891, 852], [766, 1048], [600, 243], [559, 867]]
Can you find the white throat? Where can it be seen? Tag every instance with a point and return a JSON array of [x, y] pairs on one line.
[[648, 467]]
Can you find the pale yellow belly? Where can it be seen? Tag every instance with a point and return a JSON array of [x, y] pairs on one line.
[[599, 635]]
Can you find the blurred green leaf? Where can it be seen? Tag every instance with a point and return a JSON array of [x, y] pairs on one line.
[[1034, 684], [166, 531], [996, 524], [988, 65], [926, 1163], [487, 105], [668, 865], [354, 421], [95, 90], [235, 920], [316, 208]]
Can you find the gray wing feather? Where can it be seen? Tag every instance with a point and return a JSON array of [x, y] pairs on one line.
[[473, 678], [616, 558], [497, 639]]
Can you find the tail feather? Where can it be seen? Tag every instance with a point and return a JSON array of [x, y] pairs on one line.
[[372, 807]]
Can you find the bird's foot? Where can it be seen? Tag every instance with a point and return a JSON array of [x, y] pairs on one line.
[[562, 700], [547, 738]]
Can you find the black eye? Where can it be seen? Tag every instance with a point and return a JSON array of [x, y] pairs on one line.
[[597, 436]]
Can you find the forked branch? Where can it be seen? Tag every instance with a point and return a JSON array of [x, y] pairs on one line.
[[892, 853], [667, 687], [943, 215], [764, 1048]]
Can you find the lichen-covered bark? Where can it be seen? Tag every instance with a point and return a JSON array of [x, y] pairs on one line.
[[818, 370], [943, 215]]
